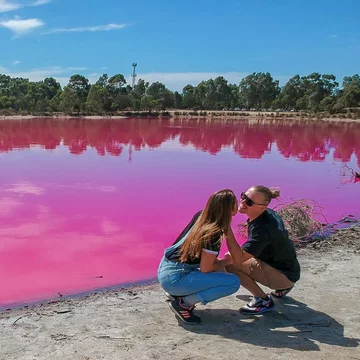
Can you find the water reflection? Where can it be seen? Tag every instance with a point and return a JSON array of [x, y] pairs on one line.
[[303, 140], [73, 223]]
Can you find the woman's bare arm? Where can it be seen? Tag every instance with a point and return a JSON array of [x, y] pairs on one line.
[[210, 262], [238, 254]]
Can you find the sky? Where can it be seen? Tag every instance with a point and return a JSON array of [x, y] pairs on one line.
[[178, 42]]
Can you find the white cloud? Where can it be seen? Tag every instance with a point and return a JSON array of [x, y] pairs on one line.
[[8, 206], [26, 189], [16, 62], [61, 74], [21, 27], [94, 75], [6, 6], [40, 2], [107, 27], [109, 227], [10, 5], [177, 81], [333, 36], [173, 81]]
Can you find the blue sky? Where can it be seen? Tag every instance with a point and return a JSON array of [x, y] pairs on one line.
[[179, 42]]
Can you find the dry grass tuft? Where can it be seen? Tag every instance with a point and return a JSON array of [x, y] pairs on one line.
[[300, 218]]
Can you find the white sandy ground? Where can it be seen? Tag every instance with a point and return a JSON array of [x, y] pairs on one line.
[[252, 115], [319, 320], [29, 117]]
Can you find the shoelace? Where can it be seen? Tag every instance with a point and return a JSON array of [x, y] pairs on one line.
[[256, 301], [187, 312]]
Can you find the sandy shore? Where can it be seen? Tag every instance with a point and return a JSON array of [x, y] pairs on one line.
[[258, 115], [210, 115], [319, 320], [28, 117]]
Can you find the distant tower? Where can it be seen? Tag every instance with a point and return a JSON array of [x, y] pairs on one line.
[[134, 74], [130, 153]]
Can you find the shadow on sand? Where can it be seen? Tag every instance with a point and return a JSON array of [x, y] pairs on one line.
[[292, 325]]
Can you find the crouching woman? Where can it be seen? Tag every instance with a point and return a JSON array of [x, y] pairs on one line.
[[190, 270]]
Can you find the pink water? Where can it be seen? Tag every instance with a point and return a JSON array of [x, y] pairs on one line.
[[88, 204]]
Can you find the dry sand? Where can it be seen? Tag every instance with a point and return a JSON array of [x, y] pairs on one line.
[[211, 115], [320, 319], [67, 117]]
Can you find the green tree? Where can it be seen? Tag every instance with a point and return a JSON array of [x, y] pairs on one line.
[[70, 101], [51, 87], [316, 87], [148, 103], [234, 96], [7, 102], [121, 101], [314, 92], [200, 95], [350, 94], [213, 94], [42, 106], [4, 84], [162, 97], [55, 102], [98, 99], [79, 85], [188, 97], [116, 82], [258, 90], [292, 91], [103, 81], [223, 92], [177, 100]]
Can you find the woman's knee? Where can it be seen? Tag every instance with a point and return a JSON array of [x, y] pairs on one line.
[[234, 283]]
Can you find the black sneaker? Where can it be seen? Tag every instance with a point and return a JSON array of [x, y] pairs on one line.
[[183, 313], [281, 293], [258, 306]]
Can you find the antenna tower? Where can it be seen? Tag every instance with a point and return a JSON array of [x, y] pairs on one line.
[[134, 75]]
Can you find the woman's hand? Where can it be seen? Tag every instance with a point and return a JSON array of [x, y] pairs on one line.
[[238, 254]]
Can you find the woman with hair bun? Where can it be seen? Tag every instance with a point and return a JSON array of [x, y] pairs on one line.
[[268, 257]]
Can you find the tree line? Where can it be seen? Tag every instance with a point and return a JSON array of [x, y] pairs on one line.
[[313, 93]]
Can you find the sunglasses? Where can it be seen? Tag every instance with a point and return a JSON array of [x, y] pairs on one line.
[[248, 201]]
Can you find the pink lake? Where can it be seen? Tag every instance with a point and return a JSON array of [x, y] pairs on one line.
[[90, 204]]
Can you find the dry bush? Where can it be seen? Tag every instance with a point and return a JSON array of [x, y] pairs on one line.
[[348, 175], [300, 218]]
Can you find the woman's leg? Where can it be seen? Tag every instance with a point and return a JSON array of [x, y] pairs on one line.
[[197, 286]]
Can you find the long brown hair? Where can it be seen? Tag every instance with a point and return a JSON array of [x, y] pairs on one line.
[[214, 220]]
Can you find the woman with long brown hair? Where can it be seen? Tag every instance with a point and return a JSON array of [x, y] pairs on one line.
[[190, 269]]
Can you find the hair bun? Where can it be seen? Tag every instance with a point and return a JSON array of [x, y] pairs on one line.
[[275, 193]]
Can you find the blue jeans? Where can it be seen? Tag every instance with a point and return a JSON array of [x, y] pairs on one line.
[[181, 279]]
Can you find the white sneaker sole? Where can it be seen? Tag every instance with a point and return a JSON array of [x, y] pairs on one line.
[[169, 297], [247, 312]]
